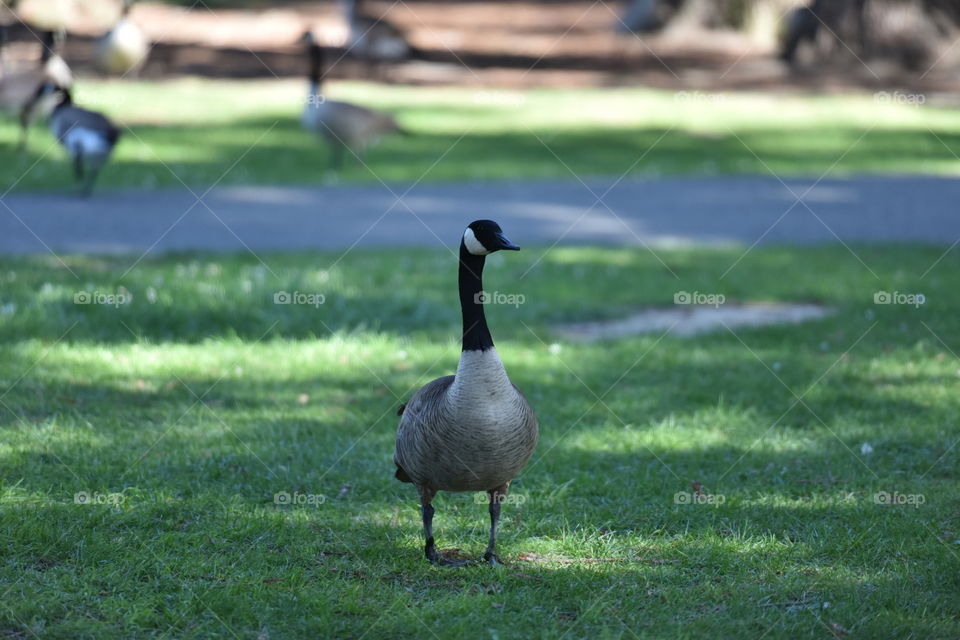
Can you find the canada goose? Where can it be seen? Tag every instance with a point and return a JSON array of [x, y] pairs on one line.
[[802, 25], [472, 431], [373, 39], [342, 124], [20, 90], [124, 48], [88, 136]]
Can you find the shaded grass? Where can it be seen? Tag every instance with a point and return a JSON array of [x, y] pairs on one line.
[[242, 132], [200, 406]]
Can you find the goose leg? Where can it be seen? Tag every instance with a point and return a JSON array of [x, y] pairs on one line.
[[336, 156], [24, 134], [495, 497], [26, 115], [78, 167], [88, 183], [430, 549]]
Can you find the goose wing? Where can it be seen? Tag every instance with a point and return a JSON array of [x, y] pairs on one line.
[[418, 417], [17, 88], [348, 123]]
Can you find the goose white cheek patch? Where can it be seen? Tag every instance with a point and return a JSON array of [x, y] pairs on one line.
[[473, 245]]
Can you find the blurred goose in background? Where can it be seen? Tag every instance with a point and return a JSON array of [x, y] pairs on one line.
[[343, 125], [89, 137], [20, 90], [373, 39], [123, 50]]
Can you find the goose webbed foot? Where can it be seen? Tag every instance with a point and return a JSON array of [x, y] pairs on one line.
[[493, 559], [438, 560]]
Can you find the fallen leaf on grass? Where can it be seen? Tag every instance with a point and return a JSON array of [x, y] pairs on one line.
[[454, 554]]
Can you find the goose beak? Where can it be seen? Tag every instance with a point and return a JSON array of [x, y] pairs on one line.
[[504, 243]]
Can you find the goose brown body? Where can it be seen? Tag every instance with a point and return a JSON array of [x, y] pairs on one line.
[[471, 437], [346, 124], [124, 48]]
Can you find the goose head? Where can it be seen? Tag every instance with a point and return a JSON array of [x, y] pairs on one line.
[[483, 237]]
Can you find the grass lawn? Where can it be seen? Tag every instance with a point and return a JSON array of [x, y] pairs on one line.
[[181, 414], [201, 131]]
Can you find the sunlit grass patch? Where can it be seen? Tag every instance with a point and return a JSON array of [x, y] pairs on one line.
[[200, 131]]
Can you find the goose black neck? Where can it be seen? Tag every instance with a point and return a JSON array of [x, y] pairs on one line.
[[316, 67], [476, 334], [49, 41], [353, 9]]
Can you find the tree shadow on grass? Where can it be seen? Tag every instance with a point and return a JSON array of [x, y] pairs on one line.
[[343, 418]]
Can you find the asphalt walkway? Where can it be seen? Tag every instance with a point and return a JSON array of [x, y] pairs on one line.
[[669, 211]]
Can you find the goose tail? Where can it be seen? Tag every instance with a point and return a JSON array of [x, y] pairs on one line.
[[401, 475]]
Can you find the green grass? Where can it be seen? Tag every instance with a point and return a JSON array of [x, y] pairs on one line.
[[201, 131], [200, 399]]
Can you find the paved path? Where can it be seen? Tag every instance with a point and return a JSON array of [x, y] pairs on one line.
[[659, 212]]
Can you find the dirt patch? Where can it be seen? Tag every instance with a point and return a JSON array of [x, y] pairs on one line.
[[694, 320]]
